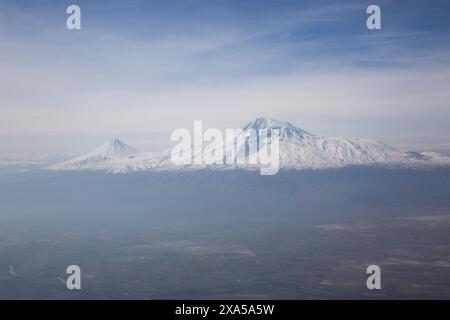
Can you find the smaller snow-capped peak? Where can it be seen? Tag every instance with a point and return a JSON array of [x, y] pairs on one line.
[[287, 130], [113, 149], [99, 158]]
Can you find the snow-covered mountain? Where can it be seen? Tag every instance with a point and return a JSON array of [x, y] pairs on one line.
[[100, 158], [298, 150]]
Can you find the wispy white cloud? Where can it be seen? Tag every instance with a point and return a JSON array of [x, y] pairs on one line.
[[286, 63]]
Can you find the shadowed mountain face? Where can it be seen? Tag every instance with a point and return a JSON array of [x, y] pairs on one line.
[[298, 150]]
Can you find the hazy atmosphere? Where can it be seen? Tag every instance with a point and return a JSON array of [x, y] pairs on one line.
[[139, 69], [336, 185]]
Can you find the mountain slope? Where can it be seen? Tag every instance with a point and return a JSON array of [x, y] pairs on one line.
[[300, 149]]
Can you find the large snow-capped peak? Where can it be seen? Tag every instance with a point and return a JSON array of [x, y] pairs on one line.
[[268, 123], [286, 129]]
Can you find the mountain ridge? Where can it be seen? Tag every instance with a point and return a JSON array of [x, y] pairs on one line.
[[299, 150]]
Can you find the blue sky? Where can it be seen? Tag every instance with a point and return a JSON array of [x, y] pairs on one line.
[[139, 69]]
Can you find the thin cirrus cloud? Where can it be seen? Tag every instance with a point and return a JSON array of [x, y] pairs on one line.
[[141, 69]]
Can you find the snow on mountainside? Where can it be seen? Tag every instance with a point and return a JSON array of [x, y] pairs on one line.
[[299, 149], [99, 158]]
